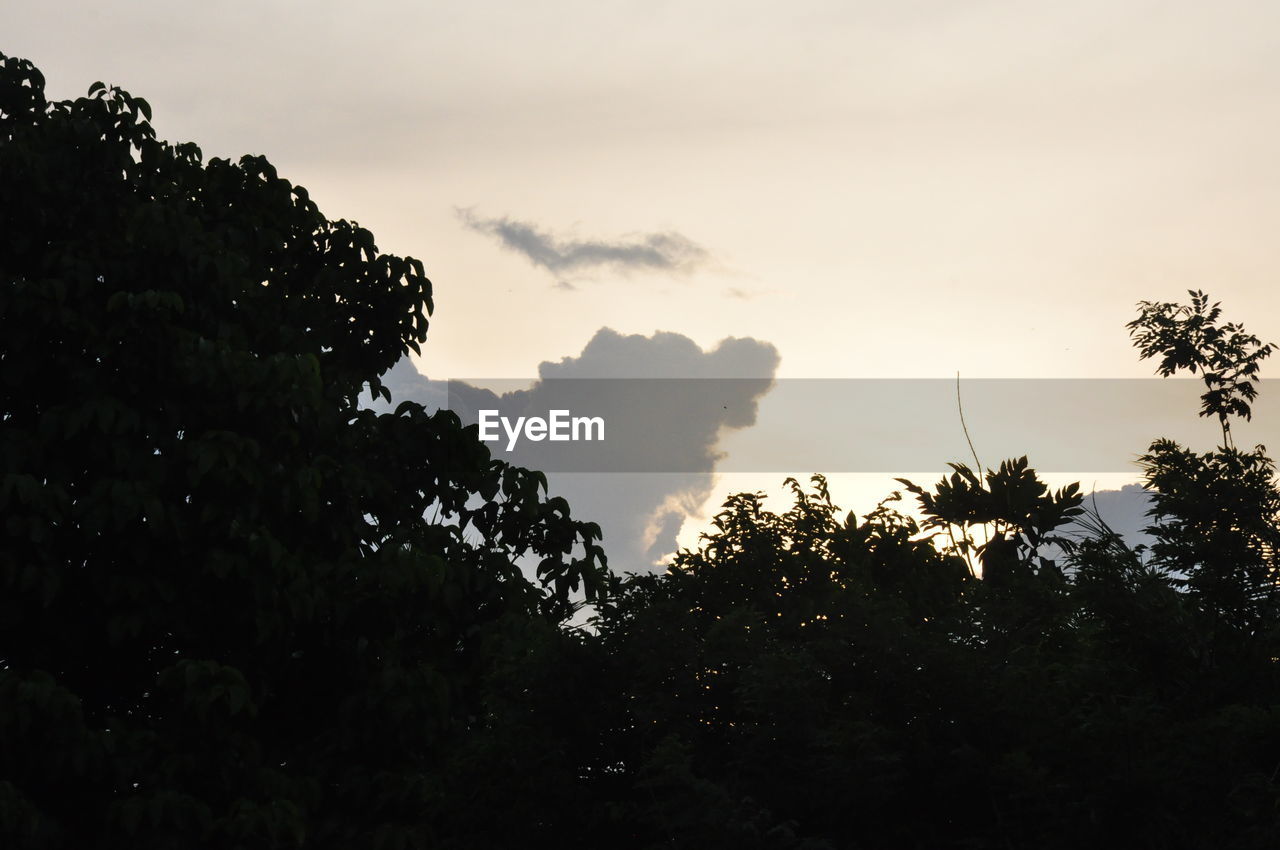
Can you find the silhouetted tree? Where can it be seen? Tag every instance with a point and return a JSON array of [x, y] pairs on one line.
[[1189, 336], [1216, 513], [979, 681], [224, 620]]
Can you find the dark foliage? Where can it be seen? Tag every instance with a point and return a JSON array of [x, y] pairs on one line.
[[224, 620], [1190, 337], [983, 680]]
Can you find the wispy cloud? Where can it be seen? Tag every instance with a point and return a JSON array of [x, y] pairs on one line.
[[664, 252]]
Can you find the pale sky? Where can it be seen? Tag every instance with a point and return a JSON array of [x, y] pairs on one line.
[[907, 188]]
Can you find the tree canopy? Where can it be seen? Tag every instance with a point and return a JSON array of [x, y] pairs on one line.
[[1004, 672], [236, 609]]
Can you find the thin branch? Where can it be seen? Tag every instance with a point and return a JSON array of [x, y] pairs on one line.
[[967, 438]]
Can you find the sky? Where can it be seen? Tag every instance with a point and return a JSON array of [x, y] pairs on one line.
[[904, 189]]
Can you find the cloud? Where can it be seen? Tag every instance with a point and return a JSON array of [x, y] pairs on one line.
[[406, 383], [1124, 511], [662, 252], [670, 474], [610, 354], [640, 513]]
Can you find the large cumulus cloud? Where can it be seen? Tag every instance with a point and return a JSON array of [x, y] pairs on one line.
[[639, 512]]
